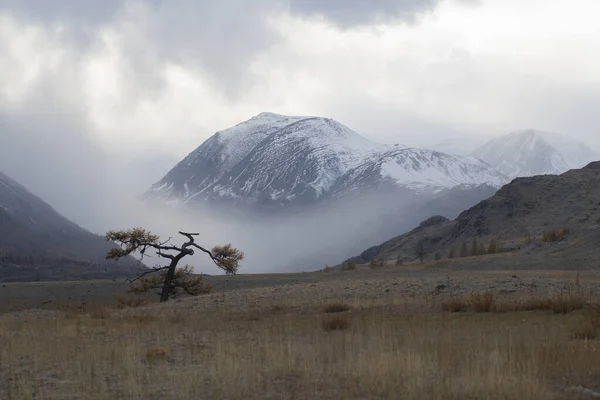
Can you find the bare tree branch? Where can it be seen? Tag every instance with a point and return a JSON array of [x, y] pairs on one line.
[[140, 240]]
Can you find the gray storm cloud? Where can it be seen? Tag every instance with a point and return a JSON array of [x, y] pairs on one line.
[[350, 13]]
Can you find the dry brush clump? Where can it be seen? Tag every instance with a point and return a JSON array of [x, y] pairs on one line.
[[555, 236], [348, 266], [336, 323], [455, 304], [482, 302], [564, 303]]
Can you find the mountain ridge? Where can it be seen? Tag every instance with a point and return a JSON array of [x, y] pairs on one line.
[[531, 152], [520, 218], [36, 242], [282, 160]]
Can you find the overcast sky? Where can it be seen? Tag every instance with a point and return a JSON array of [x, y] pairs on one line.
[[98, 99]]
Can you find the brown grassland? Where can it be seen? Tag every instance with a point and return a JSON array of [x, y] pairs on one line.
[[352, 344]]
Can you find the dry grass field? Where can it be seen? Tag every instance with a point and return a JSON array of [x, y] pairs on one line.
[[380, 334]]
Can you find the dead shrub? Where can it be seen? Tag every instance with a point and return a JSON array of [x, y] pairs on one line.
[[328, 269], [348, 266], [455, 304], [336, 323], [337, 308], [482, 302], [376, 263], [555, 236]]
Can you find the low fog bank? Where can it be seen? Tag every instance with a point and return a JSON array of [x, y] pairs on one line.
[[304, 241]]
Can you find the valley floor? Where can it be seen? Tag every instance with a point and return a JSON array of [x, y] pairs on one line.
[[385, 333]]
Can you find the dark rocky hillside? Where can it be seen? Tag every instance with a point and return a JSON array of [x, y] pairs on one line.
[[548, 221], [37, 243]]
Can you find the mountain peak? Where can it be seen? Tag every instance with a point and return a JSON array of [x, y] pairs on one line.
[[531, 152], [291, 160]]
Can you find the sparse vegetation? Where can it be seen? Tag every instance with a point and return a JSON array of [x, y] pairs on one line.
[[482, 302], [348, 266], [327, 269], [336, 323], [399, 261], [266, 343], [376, 263], [555, 236], [455, 304]]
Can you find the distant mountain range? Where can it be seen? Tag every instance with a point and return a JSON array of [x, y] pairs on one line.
[[531, 152], [274, 161], [543, 222], [354, 192], [277, 165], [37, 243]]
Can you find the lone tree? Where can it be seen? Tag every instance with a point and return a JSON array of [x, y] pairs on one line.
[[170, 277], [420, 251]]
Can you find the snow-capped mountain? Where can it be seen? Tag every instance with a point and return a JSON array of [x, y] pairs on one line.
[[532, 152], [281, 160]]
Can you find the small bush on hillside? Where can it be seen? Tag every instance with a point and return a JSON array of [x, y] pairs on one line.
[[437, 256], [555, 236], [348, 266], [399, 261], [376, 263]]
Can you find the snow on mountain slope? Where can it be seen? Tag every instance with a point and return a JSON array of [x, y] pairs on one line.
[[532, 152], [276, 159], [420, 170]]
